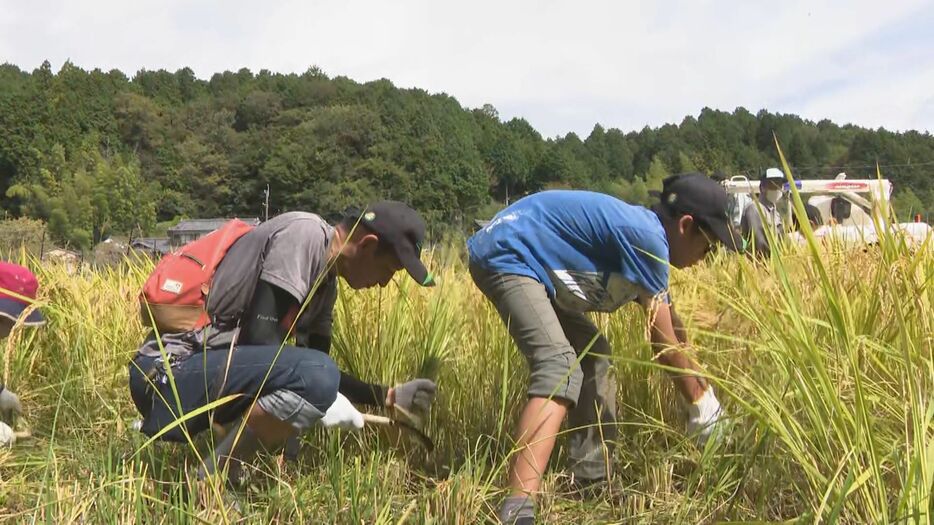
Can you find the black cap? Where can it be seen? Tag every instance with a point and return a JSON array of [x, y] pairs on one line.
[[705, 200], [402, 228]]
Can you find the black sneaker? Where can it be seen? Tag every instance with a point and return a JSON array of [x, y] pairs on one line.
[[517, 510]]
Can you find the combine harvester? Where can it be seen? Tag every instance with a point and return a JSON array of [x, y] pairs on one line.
[[850, 209]]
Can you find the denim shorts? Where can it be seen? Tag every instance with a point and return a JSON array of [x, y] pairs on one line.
[[297, 385]]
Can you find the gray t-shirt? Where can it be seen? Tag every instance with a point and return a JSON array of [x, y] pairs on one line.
[[753, 224], [297, 261], [292, 253]]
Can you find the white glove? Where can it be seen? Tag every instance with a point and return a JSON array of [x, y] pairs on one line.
[[703, 417], [342, 414], [7, 436], [10, 409]]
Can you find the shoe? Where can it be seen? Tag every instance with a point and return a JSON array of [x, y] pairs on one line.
[[233, 459], [517, 510], [293, 446]]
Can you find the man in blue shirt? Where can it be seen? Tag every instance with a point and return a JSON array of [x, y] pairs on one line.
[[551, 257]]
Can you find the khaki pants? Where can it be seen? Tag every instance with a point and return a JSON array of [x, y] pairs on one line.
[[552, 341]]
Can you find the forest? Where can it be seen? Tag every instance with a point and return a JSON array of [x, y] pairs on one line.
[[94, 154]]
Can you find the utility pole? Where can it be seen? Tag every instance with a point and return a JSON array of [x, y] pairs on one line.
[[266, 204]]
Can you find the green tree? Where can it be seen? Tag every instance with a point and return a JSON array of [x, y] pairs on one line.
[[657, 173], [208, 148], [87, 198], [906, 204], [685, 163], [638, 193]]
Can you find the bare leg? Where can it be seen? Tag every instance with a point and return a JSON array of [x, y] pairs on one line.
[[239, 447], [271, 431], [538, 428]]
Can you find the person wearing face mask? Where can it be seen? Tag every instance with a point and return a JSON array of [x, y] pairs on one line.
[[762, 213]]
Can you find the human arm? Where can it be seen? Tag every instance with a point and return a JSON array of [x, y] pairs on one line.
[[753, 230], [414, 396], [269, 321], [266, 321], [667, 347], [703, 407], [681, 332]]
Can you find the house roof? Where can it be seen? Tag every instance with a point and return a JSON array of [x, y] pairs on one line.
[[204, 225], [159, 244]]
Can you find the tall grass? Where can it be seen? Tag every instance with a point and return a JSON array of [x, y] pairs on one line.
[[821, 356]]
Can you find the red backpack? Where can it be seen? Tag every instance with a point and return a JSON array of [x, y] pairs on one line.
[[174, 296]]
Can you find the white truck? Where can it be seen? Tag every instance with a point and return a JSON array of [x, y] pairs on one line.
[[846, 208]]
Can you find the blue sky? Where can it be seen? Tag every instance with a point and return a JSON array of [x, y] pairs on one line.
[[563, 66]]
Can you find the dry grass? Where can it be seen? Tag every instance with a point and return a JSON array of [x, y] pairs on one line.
[[823, 361]]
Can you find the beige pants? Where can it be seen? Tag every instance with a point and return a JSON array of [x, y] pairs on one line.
[[552, 341]]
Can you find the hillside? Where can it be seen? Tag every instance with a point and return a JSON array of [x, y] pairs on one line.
[[95, 152]]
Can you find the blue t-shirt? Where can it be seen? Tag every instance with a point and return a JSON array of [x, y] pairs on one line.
[[592, 252]]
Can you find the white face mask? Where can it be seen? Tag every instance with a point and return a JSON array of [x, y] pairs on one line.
[[773, 195]]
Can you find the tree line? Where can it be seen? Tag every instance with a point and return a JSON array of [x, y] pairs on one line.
[[96, 153]]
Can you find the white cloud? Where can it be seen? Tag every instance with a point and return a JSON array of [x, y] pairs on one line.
[[561, 65]]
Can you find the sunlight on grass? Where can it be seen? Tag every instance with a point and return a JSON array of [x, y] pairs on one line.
[[822, 355]]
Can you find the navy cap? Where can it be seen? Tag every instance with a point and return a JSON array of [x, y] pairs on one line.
[[403, 229], [705, 200]]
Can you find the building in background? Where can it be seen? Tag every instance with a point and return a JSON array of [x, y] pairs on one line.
[[153, 245], [191, 229]]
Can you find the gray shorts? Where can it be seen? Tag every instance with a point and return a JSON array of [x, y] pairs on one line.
[[551, 339]]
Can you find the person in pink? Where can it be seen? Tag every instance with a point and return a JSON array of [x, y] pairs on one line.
[[18, 287]]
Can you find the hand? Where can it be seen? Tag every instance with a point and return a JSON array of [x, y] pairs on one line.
[[10, 409], [704, 417], [7, 436], [342, 414], [413, 397]]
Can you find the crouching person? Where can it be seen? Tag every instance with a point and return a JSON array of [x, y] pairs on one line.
[[18, 288], [276, 281]]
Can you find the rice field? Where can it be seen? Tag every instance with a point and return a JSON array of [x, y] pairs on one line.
[[821, 357]]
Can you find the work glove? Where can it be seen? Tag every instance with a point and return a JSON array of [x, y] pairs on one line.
[[413, 397], [704, 417], [7, 436], [342, 414], [10, 409]]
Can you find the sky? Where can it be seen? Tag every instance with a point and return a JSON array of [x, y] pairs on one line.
[[563, 66]]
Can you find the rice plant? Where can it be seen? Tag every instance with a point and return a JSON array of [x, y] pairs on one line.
[[822, 355]]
